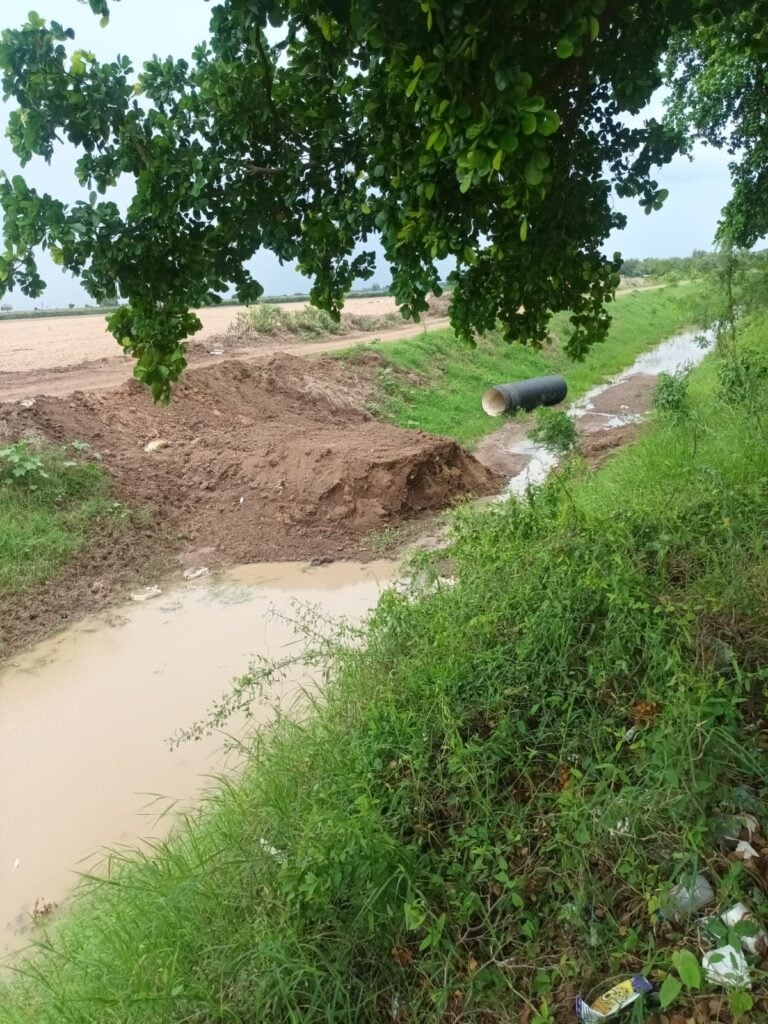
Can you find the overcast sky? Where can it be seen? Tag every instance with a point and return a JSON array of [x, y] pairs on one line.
[[141, 28]]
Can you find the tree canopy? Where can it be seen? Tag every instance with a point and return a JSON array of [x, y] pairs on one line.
[[492, 132]]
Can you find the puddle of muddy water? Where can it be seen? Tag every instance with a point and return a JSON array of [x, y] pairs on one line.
[[671, 356], [85, 717]]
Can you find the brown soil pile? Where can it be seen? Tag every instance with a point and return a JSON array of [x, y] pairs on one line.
[[271, 459]]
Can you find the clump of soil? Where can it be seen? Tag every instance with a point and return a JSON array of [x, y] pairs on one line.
[[271, 459], [597, 446]]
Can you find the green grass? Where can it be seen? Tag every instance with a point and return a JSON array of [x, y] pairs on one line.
[[447, 401], [47, 512], [463, 829]]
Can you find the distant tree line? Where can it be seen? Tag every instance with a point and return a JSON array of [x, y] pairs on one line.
[[698, 263]]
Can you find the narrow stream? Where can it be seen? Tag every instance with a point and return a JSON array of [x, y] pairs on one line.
[[671, 356], [85, 716]]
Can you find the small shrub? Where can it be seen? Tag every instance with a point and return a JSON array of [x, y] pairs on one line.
[[671, 395], [265, 319], [555, 430], [19, 464], [742, 376]]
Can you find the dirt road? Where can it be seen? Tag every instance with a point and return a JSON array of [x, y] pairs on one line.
[[59, 355]]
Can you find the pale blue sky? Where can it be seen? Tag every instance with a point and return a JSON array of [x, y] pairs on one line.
[[141, 28]]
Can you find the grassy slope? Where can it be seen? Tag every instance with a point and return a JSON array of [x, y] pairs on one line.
[[59, 512], [45, 519], [450, 405], [462, 830]]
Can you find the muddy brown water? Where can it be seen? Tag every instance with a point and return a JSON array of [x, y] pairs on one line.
[[85, 717]]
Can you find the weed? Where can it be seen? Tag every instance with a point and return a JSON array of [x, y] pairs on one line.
[[308, 322], [383, 541], [555, 430], [19, 464], [671, 395]]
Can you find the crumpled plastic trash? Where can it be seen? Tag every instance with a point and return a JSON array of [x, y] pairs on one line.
[[755, 944], [727, 967], [685, 900], [614, 1000], [146, 594]]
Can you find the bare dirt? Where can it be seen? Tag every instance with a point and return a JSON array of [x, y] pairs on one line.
[[59, 355], [119, 558], [263, 460], [51, 342]]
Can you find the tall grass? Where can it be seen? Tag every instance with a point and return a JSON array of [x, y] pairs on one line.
[[447, 398], [466, 828], [269, 320]]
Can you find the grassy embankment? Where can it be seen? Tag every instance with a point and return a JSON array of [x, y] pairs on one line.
[[456, 377], [464, 828], [49, 500], [53, 505]]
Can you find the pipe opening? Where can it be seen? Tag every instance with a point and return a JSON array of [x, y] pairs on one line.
[[494, 402]]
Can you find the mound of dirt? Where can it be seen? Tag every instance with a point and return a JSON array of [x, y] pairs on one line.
[[270, 459]]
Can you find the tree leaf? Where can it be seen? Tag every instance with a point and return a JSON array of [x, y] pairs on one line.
[[434, 135], [523, 229], [533, 173], [564, 48], [670, 990], [508, 141]]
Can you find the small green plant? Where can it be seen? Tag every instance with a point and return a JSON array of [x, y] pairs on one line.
[[555, 430], [688, 976], [671, 395], [20, 464]]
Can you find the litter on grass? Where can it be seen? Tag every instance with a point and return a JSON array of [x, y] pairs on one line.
[[685, 900], [727, 967], [753, 938], [614, 1000]]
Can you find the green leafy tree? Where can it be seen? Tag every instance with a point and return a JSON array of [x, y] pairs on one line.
[[719, 96], [488, 131]]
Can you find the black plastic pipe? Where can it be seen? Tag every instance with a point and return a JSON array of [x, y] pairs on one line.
[[524, 394]]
